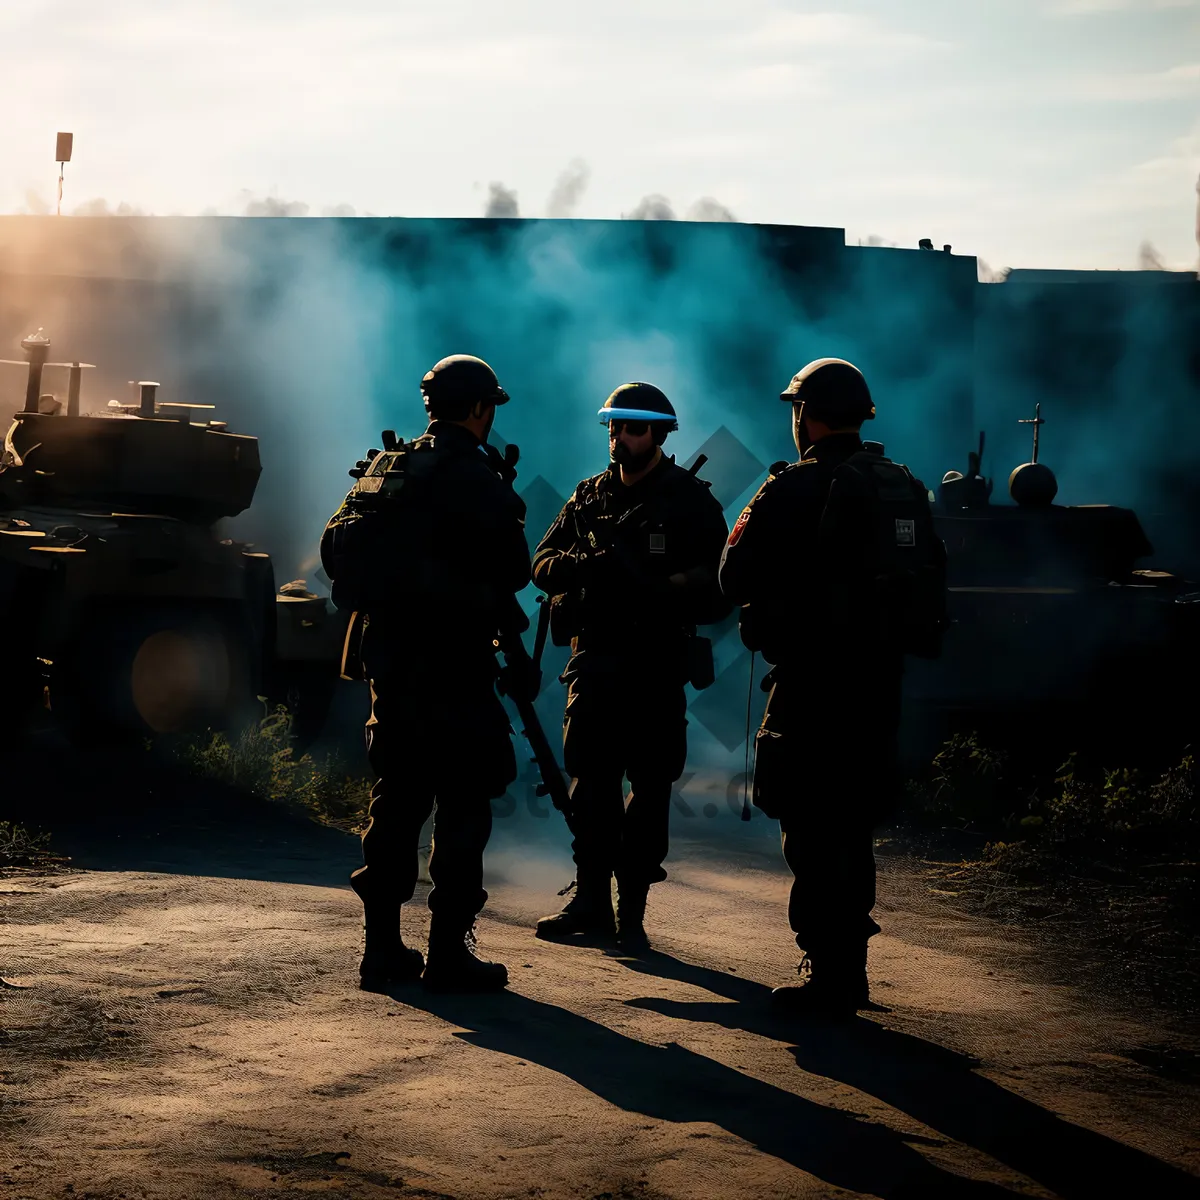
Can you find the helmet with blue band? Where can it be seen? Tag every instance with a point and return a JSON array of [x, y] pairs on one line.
[[640, 402]]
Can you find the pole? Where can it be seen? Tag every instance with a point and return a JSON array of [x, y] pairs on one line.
[[62, 154]]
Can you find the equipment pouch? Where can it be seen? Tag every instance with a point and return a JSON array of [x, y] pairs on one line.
[[701, 671], [564, 619]]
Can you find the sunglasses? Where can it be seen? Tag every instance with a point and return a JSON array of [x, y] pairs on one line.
[[633, 428]]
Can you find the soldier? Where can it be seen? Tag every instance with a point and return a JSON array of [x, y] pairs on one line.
[[631, 566], [839, 573], [429, 574]]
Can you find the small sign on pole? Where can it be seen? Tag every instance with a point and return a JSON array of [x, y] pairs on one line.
[[62, 154]]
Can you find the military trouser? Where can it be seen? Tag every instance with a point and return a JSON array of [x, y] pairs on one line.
[[433, 739], [833, 892], [825, 765], [623, 726]]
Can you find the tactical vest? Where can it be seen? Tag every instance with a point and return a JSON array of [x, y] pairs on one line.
[[643, 529], [885, 564]]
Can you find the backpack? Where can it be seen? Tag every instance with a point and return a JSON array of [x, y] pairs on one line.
[[378, 529], [885, 563]]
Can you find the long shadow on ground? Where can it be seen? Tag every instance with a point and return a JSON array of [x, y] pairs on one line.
[[936, 1086], [671, 1083], [125, 810]]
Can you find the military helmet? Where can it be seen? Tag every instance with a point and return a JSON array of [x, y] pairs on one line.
[[640, 402], [832, 391], [454, 385]]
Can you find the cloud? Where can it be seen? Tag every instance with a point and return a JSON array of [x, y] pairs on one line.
[[568, 189], [1087, 8], [1152, 200], [774, 80], [501, 201], [822, 31], [1163, 181], [1173, 83], [737, 144]]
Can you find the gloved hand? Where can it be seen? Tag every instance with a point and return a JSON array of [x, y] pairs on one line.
[[520, 679]]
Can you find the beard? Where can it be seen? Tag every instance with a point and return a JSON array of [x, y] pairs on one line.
[[623, 456]]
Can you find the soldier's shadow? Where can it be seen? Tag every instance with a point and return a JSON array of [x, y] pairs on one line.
[[936, 1086], [672, 1083]]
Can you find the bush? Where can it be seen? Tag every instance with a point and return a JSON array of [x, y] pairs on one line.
[[19, 847], [967, 782], [970, 783], [1122, 807], [261, 760]]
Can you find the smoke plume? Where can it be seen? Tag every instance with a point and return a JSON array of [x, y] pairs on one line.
[[99, 208], [651, 208], [35, 206], [708, 209], [985, 274], [1149, 259], [568, 189], [501, 202], [274, 207]]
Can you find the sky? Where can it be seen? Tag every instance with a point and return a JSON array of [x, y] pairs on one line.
[[1031, 133]]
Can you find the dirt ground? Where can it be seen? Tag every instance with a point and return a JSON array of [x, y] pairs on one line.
[[182, 1020]]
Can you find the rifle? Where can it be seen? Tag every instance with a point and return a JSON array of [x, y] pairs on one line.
[[517, 657]]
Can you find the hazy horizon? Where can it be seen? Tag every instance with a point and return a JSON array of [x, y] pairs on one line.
[[1032, 133]]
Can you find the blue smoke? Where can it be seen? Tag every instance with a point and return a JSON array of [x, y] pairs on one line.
[[314, 334], [325, 328]]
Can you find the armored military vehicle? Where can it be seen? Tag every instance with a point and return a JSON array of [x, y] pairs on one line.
[[1057, 619], [125, 611]]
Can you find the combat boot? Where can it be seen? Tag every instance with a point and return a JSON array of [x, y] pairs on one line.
[[631, 912], [836, 986], [589, 911], [386, 960], [452, 965], [387, 963]]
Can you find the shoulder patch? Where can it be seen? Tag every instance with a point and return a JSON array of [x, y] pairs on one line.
[[736, 532]]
